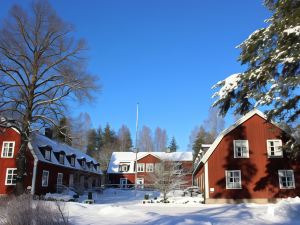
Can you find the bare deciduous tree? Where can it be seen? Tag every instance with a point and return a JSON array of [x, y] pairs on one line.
[[41, 65], [145, 140], [168, 176], [79, 132], [160, 140]]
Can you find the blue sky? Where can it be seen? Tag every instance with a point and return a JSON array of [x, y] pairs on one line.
[[164, 54]]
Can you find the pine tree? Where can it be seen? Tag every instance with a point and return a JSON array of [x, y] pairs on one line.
[[108, 136], [272, 56], [173, 146], [203, 137]]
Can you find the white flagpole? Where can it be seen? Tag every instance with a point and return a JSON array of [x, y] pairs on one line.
[[136, 142]]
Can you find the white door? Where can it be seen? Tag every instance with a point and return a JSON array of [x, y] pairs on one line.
[[123, 183], [140, 183]]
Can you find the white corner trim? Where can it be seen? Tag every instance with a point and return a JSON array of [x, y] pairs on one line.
[[206, 180], [226, 131]]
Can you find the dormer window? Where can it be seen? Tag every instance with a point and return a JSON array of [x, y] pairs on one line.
[[48, 155], [83, 164], [72, 161], [124, 167], [61, 158]]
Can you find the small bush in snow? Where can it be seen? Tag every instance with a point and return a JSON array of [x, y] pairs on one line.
[[22, 210]]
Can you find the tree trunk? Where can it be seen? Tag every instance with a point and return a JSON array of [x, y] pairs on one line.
[[21, 165]]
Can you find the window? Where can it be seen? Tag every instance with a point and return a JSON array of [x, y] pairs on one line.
[[83, 164], [274, 148], [124, 167], [59, 180], [61, 158], [233, 179], [45, 178], [241, 149], [11, 176], [149, 167], [72, 161], [141, 167], [48, 155], [8, 149], [286, 179]]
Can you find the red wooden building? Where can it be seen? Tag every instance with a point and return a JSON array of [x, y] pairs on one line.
[[50, 166], [121, 169], [247, 163]]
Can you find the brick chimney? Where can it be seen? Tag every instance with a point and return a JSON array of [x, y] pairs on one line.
[[48, 132]]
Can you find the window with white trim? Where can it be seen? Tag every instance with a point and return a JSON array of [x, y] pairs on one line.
[[48, 155], [274, 148], [59, 180], [233, 179], [45, 178], [8, 149], [83, 164], [149, 167], [61, 158], [11, 176], [286, 179], [141, 167], [124, 167], [241, 148], [72, 161]]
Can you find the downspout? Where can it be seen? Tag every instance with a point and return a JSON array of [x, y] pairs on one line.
[[34, 171]]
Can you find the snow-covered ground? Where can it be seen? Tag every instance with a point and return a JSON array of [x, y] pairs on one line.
[[126, 207]]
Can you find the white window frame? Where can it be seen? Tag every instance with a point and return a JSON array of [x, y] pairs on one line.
[[72, 161], [141, 167], [246, 143], [14, 173], [83, 164], [48, 155], [150, 167], [47, 179], [280, 181], [61, 158], [125, 165], [58, 178], [13, 149], [240, 179], [278, 153]]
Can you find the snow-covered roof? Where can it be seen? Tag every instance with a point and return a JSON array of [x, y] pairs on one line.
[[226, 131], [129, 158], [38, 141]]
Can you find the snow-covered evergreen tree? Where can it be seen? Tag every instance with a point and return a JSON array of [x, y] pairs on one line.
[[272, 76]]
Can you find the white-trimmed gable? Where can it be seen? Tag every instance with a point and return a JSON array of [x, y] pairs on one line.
[[246, 117]]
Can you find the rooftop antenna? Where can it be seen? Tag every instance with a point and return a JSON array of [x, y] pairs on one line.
[[136, 142]]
